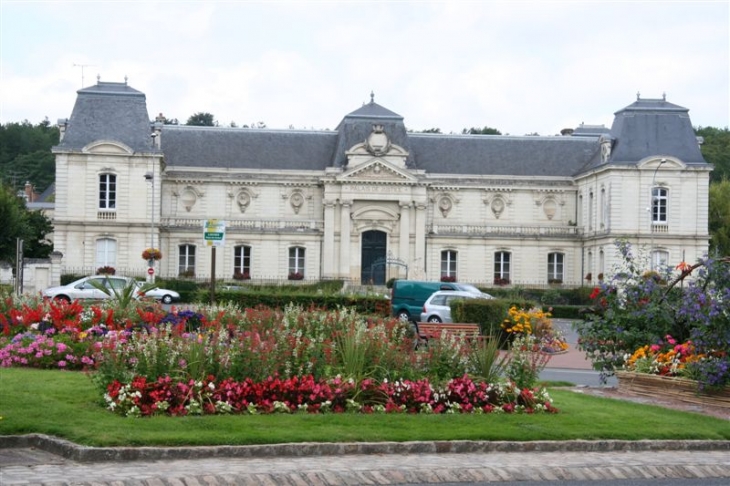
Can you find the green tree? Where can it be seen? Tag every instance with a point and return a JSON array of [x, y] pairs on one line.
[[481, 131], [431, 130], [202, 119], [719, 218], [25, 154], [16, 222], [716, 150]]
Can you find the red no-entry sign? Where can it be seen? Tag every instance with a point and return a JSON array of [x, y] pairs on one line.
[[150, 271]]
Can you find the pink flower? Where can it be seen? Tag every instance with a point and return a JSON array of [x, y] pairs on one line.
[[60, 347], [671, 340], [61, 364], [655, 348]]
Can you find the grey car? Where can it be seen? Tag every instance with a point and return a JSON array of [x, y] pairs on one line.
[[438, 307], [84, 289]]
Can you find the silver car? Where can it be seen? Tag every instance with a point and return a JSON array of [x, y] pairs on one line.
[[165, 296], [438, 307], [83, 289]]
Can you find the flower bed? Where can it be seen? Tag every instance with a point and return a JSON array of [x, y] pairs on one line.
[[164, 396]]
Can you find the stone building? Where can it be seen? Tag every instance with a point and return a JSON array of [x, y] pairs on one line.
[[370, 200]]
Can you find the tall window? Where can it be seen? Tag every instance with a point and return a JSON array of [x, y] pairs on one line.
[[107, 191], [186, 264], [659, 259], [106, 252], [242, 262], [501, 267], [448, 265], [590, 211], [296, 262], [659, 200], [555, 267]]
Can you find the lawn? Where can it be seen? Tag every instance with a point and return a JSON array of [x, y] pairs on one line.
[[67, 405]]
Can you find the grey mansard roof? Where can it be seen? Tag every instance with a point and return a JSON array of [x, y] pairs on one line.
[[109, 111], [245, 148], [649, 127]]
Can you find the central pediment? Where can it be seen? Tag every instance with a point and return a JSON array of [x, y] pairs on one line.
[[377, 170]]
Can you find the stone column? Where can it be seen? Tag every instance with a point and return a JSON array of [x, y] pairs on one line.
[[405, 235], [420, 251], [328, 249], [345, 206]]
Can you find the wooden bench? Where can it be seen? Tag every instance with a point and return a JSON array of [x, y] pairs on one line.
[[434, 330]]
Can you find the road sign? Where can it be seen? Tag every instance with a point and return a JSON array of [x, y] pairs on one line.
[[150, 271], [214, 232]]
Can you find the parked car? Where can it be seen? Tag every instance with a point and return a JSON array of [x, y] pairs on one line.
[[408, 296], [163, 295], [83, 289], [437, 308]]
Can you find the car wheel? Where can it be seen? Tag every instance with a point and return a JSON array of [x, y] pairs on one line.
[[167, 299], [434, 319], [62, 298], [404, 316]]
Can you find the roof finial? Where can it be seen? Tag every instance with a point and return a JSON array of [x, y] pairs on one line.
[[664, 96], [372, 97], [125, 79], [638, 96], [98, 78]]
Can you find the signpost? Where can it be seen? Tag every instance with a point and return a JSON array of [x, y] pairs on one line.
[[214, 234]]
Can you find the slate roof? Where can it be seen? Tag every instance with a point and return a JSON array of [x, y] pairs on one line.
[[109, 111], [244, 148], [652, 127], [502, 155]]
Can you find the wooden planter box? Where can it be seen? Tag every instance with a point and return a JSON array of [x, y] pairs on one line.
[[671, 387]]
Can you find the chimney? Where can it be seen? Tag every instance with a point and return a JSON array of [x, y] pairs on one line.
[[29, 194]]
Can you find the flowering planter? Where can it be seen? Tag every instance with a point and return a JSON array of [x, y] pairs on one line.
[[671, 387]]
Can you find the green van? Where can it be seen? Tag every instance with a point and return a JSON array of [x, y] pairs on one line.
[[408, 296]]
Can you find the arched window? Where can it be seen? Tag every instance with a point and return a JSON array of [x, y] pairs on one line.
[[448, 265], [106, 252], [659, 260], [296, 262], [107, 191], [555, 267], [659, 204], [242, 262], [502, 267], [186, 262]]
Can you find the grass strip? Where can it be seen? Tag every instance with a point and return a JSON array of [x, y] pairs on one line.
[[66, 404]]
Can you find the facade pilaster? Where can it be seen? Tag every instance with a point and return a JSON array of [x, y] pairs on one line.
[[420, 250], [405, 234], [345, 206], [328, 250]]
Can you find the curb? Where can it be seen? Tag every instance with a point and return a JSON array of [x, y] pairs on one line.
[[78, 453]]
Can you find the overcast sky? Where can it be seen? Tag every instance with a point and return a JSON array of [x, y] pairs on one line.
[[520, 67]]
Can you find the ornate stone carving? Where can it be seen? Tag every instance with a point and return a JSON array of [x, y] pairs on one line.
[[296, 200], [445, 205], [378, 143], [497, 206], [549, 207]]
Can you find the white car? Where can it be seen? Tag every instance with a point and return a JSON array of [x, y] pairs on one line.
[[83, 289], [438, 307]]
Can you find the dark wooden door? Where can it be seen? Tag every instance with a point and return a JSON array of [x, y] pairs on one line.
[[373, 257]]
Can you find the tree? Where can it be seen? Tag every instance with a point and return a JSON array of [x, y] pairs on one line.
[[481, 131], [716, 150], [16, 222], [25, 153], [431, 130], [202, 119], [719, 218]]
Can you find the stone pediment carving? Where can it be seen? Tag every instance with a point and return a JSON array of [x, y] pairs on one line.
[[377, 170]]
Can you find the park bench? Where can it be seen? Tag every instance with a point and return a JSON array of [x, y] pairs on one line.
[[434, 330]]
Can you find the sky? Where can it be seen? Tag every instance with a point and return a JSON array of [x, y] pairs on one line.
[[522, 67]]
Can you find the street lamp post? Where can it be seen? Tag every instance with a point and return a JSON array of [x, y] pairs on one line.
[[150, 177]]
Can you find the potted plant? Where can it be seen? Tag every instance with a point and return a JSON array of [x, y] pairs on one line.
[[296, 276], [589, 276], [106, 270], [501, 281], [151, 254], [238, 275], [448, 278]]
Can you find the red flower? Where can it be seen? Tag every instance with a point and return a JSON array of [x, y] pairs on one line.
[[596, 292]]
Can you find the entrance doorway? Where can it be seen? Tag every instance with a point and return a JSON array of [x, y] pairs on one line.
[[374, 245]]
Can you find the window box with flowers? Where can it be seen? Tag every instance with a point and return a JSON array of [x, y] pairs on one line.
[[448, 278], [152, 254], [555, 281], [106, 270], [501, 281], [296, 276], [241, 276], [187, 274]]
